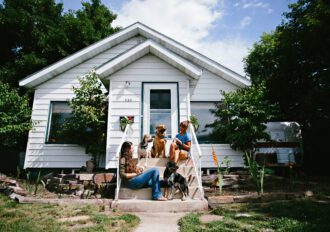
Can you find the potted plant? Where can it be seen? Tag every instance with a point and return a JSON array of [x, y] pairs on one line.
[[194, 122], [124, 121]]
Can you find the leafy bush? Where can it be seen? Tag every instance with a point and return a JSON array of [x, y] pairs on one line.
[[15, 116], [87, 124]]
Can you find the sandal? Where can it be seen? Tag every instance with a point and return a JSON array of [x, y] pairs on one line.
[[162, 198]]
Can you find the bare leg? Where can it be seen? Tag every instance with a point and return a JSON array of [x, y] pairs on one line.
[[176, 156], [173, 148]]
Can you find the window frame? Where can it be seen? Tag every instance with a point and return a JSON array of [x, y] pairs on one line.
[[191, 111], [49, 124]]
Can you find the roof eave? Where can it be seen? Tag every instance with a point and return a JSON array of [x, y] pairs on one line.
[[140, 50], [78, 57]]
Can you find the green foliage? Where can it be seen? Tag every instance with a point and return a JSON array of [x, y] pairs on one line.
[[257, 172], [241, 117], [15, 116], [288, 216], [226, 161], [124, 121], [194, 122], [87, 125], [293, 61], [37, 33], [15, 217], [36, 183]]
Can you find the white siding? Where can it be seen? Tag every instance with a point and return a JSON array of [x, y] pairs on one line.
[[147, 69], [221, 150], [41, 155], [208, 87]]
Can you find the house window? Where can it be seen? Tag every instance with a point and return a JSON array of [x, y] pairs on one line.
[[160, 109], [59, 111], [202, 111]]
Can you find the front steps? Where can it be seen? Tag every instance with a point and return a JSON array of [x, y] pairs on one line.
[[150, 206], [140, 200], [145, 193]]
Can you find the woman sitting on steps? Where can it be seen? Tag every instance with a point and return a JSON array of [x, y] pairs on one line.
[[135, 177], [180, 147]]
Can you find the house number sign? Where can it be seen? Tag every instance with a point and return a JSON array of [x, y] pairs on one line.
[[128, 99]]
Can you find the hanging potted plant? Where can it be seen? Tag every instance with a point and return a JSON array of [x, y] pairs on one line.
[[124, 121], [194, 122]]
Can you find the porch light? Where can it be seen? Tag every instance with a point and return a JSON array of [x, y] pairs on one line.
[[127, 84]]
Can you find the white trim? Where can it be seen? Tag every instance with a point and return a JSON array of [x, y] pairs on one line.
[[174, 106], [78, 57], [194, 56], [107, 153], [127, 33], [142, 49], [188, 100]]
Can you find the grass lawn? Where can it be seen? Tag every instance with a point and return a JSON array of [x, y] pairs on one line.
[[288, 216], [33, 217]]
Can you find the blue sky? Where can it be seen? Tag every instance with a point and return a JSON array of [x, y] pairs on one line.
[[224, 30]]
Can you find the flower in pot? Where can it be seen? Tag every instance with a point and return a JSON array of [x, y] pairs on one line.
[[124, 121]]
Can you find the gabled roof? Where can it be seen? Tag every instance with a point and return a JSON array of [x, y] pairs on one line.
[[142, 49], [172, 48]]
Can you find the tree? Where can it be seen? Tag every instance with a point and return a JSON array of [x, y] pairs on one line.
[[293, 62], [87, 124], [241, 117], [37, 33], [15, 117]]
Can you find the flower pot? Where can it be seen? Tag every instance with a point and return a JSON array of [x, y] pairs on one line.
[[90, 166]]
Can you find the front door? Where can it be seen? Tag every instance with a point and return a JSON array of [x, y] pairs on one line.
[[160, 106]]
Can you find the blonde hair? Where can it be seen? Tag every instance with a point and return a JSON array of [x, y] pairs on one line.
[[185, 124]]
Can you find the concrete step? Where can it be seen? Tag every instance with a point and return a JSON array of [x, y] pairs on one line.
[[161, 162], [184, 171], [145, 193], [150, 206]]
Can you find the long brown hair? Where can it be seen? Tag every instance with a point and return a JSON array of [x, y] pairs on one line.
[[130, 165]]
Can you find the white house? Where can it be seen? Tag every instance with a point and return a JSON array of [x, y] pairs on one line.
[[151, 77]]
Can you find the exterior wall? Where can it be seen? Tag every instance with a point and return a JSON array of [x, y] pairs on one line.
[[221, 150], [122, 101], [41, 155], [208, 87], [127, 101]]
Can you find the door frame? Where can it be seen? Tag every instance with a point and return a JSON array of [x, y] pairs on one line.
[[175, 115]]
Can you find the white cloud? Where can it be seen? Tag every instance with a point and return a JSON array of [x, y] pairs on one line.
[[228, 52], [251, 4], [186, 20], [245, 21], [189, 22]]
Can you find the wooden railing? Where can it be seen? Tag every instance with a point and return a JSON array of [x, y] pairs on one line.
[[127, 134], [196, 155]]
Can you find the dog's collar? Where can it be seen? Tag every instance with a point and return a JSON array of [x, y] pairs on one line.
[[143, 145]]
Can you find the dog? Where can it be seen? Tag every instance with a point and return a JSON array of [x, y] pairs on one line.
[[158, 149], [174, 180], [144, 148]]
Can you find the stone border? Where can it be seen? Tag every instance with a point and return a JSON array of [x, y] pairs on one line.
[[215, 201], [66, 201]]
